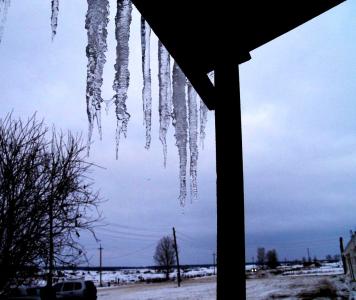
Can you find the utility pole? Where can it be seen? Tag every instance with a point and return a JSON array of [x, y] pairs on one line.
[[177, 257], [100, 268], [51, 246], [309, 260], [49, 292], [214, 261], [342, 254]]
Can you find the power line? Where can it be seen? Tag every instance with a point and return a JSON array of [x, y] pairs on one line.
[[186, 235], [193, 246], [186, 240], [126, 237], [129, 233], [190, 240], [152, 230], [133, 252]]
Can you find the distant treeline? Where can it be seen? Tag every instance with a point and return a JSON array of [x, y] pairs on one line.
[[116, 268], [289, 262]]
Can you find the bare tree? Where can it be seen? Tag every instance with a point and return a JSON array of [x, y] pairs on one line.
[[46, 197], [164, 256], [272, 259]]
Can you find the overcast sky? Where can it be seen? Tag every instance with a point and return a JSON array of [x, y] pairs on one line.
[[299, 136]]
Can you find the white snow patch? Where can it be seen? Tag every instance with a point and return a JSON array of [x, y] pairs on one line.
[[126, 276], [203, 289]]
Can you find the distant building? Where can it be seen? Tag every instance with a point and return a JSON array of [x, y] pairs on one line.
[[350, 257]]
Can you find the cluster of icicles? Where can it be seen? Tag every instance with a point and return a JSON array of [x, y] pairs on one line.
[[178, 101]]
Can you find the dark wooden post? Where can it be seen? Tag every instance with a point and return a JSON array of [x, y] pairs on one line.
[[101, 265], [230, 197], [177, 257], [342, 254], [51, 246], [214, 263]]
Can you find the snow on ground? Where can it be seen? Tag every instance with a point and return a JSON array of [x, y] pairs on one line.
[[324, 269], [287, 282], [292, 282], [297, 282], [297, 287], [192, 289], [120, 276], [125, 276], [333, 268]]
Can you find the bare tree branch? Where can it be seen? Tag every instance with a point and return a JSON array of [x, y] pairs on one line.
[[38, 167], [164, 255]]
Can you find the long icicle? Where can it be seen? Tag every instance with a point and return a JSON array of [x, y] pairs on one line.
[[95, 24], [203, 111], [193, 140], [181, 126], [203, 120], [146, 72], [165, 96], [122, 76], [54, 17], [4, 7]]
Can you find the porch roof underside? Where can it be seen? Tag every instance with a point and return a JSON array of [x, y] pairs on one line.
[[202, 34]]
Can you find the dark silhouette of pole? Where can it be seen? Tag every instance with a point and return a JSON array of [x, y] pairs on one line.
[[49, 293], [309, 259], [342, 254], [177, 256], [101, 265], [230, 195], [214, 262], [51, 245]]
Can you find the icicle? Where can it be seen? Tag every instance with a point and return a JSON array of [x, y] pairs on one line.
[[95, 23], [193, 140], [146, 71], [203, 120], [122, 76], [4, 7], [107, 105], [54, 17], [165, 96], [204, 112], [181, 125]]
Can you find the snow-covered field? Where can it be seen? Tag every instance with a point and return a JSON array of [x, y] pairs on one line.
[[192, 289], [198, 283], [324, 269], [126, 276], [298, 282], [287, 282], [292, 282], [297, 287], [334, 268]]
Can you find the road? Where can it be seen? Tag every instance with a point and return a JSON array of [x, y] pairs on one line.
[[192, 289]]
